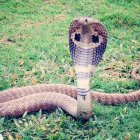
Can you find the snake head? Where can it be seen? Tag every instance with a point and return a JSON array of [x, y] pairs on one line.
[[87, 41]]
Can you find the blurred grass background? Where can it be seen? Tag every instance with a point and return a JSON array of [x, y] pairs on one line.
[[34, 49]]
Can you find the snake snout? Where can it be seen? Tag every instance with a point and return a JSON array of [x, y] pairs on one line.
[[85, 27]]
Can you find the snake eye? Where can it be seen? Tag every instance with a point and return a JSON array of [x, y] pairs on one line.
[[95, 39], [77, 37]]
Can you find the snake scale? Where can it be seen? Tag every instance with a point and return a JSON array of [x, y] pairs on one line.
[[87, 41]]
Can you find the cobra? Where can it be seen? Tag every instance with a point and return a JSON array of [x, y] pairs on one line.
[[87, 41]]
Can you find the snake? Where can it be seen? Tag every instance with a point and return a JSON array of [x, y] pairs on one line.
[[87, 44]]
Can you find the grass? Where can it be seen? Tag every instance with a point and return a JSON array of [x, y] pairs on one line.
[[34, 49]]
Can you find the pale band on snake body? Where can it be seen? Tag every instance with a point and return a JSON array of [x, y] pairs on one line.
[[87, 41]]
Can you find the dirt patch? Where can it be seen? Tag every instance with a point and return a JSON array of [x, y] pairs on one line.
[[7, 41], [60, 17], [50, 1], [56, 18], [33, 24]]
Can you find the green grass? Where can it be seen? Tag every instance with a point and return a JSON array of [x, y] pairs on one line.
[[34, 49]]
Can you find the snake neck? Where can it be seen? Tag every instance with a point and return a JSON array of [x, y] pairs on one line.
[[84, 99], [84, 69]]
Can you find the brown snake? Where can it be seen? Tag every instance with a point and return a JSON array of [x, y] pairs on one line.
[[87, 39]]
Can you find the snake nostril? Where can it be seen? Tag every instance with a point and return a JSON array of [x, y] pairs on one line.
[[95, 39], [77, 37]]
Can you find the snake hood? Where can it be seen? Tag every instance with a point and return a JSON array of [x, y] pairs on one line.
[[87, 41]]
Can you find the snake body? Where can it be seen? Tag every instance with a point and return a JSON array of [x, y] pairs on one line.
[[87, 41]]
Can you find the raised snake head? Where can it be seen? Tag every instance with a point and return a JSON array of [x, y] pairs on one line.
[[87, 41]]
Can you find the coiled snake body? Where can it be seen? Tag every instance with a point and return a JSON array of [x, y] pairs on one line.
[[87, 41]]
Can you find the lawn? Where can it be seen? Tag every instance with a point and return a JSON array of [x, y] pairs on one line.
[[34, 49]]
